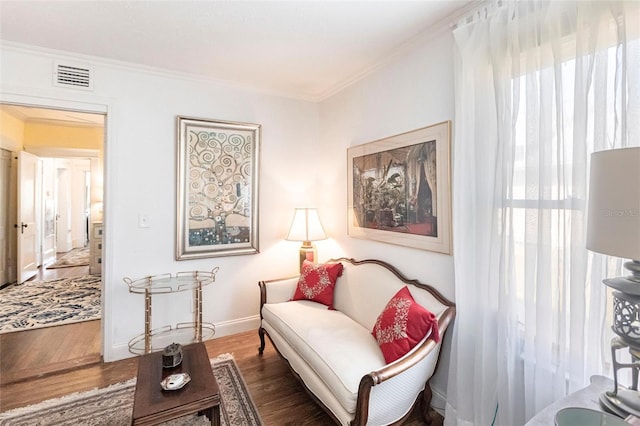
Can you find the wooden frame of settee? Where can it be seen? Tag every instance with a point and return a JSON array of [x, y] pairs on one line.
[[389, 370]]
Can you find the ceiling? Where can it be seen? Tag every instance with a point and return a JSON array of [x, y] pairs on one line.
[[56, 117], [302, 49], [53, 116]]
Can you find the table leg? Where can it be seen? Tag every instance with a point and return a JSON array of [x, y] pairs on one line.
[[213, 414], [215, 417]]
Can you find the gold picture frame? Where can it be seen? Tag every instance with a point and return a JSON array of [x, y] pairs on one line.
[[217, 188], [399, 189]]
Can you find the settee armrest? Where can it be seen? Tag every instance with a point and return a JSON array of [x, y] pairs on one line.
[[278, 290], [397, 378], [274, 291], [414, 356]]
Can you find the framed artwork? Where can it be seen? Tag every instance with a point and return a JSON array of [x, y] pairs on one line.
[[399, 189], [217, 193]]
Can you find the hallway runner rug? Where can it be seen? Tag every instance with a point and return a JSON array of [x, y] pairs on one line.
[[113, 405], [37, 304], [75, 257]]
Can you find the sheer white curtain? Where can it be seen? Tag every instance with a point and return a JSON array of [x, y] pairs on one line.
[[539, 86]]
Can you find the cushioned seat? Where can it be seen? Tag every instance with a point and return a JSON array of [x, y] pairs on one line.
[[318, 334]]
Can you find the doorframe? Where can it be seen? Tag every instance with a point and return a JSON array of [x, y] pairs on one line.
[[94, 105], [64, 240]]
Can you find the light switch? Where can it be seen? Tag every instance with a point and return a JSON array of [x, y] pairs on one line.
[[143, 220]]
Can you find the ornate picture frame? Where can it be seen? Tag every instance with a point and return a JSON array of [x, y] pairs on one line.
[[399, 189], [217, 188]]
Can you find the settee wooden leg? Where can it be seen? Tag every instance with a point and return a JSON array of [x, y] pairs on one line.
[[429, 415], [261, 334]]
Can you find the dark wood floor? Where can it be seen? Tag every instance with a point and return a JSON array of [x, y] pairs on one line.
[[55, 273], [279, 397], [35, 353]]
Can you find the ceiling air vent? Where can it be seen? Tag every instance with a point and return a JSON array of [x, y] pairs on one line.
[[75, 76]]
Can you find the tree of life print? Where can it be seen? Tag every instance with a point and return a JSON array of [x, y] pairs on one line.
[[219, 187]]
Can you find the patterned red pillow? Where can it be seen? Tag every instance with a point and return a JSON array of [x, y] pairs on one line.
[[402, 325], [317, 282]]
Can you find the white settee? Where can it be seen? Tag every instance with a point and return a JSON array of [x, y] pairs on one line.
[[334, 353]]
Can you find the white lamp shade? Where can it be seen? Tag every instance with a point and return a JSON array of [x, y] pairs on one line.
[[306, 226], [613, 226]]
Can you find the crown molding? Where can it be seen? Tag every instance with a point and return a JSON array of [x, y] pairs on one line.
[[147, 69]]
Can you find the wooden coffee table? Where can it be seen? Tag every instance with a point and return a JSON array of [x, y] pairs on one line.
[[153, 405]]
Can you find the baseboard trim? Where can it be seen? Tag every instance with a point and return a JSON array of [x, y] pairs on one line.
[[223, 328], [7, 284], [438, 401], [240, 325]]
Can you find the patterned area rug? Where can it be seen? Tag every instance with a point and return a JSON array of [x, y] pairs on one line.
[[76, 257], [37, 304], [113, 405]]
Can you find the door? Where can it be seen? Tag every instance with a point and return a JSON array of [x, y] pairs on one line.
[[8, 175], [26, 225]]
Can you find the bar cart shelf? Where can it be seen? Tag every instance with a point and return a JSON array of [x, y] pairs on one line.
[[168, 283]]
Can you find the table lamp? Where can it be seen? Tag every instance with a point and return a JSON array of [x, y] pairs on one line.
[[306, 227], [613, 229]]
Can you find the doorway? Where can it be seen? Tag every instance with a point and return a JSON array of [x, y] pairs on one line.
[[68, 146]]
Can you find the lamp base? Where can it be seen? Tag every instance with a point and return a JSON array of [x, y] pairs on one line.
[[308, 252], [634, 267], [624, 403]]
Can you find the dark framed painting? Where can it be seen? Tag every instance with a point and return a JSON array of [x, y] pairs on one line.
[[217, 188], [399, 189]]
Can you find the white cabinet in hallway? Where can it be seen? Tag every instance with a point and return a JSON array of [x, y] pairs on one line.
[[95, 266]]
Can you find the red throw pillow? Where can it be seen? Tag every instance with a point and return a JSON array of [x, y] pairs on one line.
[[402, 324], [317, 282]]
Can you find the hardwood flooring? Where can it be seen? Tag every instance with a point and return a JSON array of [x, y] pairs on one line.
[[53, 274], [30, 354], [279, 397], [35, 353]]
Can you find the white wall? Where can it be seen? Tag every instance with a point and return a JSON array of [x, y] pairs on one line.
[[414, 91], [140, 164]]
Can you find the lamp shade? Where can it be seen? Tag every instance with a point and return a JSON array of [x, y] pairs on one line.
[[306, 226], [613, 227]]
